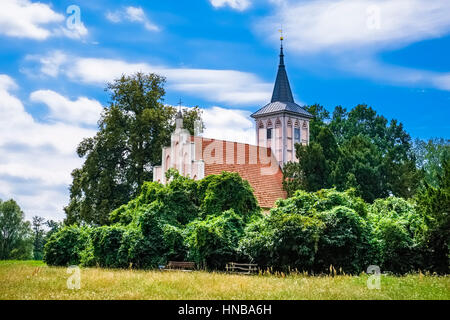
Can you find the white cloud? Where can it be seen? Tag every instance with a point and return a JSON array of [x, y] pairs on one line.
[[81, 111], [325, 25], [77, 31], [26, 19], [132, 14], [240, 5], [50, 64], [348, 35], [37, 158], [220, 86], [228, 124]]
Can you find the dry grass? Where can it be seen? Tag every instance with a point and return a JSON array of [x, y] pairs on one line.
[[35, 280]]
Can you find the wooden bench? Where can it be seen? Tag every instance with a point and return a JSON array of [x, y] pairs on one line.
[[241, 268], [180, 265]]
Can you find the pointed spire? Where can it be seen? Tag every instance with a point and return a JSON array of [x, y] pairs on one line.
[[179, 117], [282, 90]]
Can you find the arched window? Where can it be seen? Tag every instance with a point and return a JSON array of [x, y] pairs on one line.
[[289, 123], [297, 131], [277, 123], [269, 130], [261, 125], [167, 164]]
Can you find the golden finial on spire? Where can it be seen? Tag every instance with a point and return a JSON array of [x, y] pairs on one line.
[[281, 33]]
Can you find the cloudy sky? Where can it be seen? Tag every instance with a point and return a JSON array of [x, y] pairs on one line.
[[218, 54]]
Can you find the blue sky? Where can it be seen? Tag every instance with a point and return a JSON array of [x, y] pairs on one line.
[[219, 54]]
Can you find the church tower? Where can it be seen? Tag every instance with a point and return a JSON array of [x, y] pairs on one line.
[[282, 123]]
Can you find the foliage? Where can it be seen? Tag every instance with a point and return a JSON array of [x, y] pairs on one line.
[[310, 231], [132, 131], [106, 242], [357, 149], [282, 241], [360, 167], [318, 159], [228, 191], [430, 156], [64, 247], [308, 203], [434, 203], [344, 241], [16, 240], [39, 237], [398, 230], [212, 242]]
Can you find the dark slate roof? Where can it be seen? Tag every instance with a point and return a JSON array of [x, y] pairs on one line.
[[282, 90], [278, 107], [282, 99]]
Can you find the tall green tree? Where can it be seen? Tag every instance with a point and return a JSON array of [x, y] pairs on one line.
[[132, 131], [434, 202], [430, 156], [16, 239], [360, 167], [355, 149], [37, 224], [317, 160]]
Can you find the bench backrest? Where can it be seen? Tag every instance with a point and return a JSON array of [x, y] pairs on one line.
[[241, 267]]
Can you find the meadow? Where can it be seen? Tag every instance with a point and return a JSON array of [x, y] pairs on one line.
[[35, 280]]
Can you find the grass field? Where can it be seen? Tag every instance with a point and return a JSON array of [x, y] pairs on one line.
[[35, 280]]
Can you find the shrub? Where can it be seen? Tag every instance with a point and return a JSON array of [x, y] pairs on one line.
[[398, 231], [219, 193], [213, 242], [310, 203], [137, 251], [282, 240], [178, 198], [65, 246], [311, 231], [434, 204], [344, 241], [106, 242]]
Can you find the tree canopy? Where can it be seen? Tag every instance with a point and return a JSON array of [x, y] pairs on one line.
[[355, 149], [16, 239]]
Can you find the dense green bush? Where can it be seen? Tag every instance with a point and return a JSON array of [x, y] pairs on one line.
[[311, 203], [434, 204], [397, 233], [66, 245], [282, 240], [311, 231], [217, 220], [106, 242], [227, 191], [213, 242], [344, 241]]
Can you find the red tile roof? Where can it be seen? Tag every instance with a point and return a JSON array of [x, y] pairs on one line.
[[266, 181]]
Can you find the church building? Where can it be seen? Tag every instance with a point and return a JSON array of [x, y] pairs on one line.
[[279, 126]]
